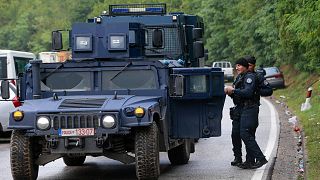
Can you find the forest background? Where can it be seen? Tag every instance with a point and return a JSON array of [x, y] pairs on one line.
[[282, 33], [276, 32]]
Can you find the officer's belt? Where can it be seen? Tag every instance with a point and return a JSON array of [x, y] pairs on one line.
[[248, 103]]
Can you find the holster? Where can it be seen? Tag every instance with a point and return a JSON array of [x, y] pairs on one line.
[[235, 114]]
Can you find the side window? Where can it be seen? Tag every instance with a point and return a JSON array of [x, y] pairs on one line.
[[228, 65], [20, 63], [224, 65], [3, 67]]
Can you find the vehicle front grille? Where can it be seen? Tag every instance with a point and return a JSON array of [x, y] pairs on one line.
[[82, 103], [69, 121]]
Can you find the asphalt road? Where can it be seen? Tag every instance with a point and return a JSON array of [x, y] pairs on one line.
[[210, 161]]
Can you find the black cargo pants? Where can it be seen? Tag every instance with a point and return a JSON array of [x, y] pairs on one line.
[[235, 133], [248, 125]]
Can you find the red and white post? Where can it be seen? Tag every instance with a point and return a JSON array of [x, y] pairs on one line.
[[307, 105]]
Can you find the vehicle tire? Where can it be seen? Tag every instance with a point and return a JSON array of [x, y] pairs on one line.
[[22, 157], [147, 152], [180, 154], [74, 161]]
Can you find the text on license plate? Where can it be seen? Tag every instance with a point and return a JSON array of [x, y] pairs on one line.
[[76, 132]]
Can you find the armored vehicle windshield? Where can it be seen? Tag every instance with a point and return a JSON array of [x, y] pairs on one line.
[[112, 78]]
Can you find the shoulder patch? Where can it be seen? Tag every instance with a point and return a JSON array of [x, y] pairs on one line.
[[266, 82], [249, 81]]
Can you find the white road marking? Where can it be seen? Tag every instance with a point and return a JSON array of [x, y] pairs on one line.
[[272, 141]]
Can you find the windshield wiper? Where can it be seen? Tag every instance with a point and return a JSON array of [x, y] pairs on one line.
[[124, 68], [50, 73]]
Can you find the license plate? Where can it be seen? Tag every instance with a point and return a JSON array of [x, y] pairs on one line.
[[76, 132]]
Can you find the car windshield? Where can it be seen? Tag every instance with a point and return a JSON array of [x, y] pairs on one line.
[[20, 63], [67, 81], [129, 79], [223, 65], [271, 71]]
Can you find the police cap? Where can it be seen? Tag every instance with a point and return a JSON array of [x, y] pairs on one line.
[[243, 62]]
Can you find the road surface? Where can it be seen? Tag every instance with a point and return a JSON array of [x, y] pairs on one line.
[[210, 161]]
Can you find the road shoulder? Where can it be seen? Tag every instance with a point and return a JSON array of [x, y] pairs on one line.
[[286, 162]]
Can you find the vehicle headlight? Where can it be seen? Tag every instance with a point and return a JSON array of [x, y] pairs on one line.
[[108, 121], [18, 115], [43, 123], [139, 112]]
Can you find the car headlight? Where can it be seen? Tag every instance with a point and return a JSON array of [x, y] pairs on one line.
[[43, 123], [108, 121], [139, 112], [18, 115]]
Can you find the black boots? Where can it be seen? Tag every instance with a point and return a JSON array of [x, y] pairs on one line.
[[246, 165], [253, 165], [237, 161], [259, 163]]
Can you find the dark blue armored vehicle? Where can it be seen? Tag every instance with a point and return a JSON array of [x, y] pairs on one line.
[[133, 88]]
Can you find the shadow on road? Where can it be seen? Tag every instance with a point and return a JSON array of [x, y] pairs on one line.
[[99, 170]]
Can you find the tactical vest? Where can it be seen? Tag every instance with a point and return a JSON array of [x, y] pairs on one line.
[[239, 84], [263, 88]]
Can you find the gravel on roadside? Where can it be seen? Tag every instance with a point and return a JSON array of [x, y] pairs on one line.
[[286, 165]]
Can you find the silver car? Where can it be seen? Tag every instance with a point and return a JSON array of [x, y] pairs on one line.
[[275, 77]]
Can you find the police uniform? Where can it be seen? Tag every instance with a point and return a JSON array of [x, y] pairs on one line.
[[235, 116], [244, 126], [263, 86]]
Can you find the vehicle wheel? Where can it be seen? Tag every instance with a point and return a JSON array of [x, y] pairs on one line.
[[74, 161], [147, 152], [22, 157], [180, 154]]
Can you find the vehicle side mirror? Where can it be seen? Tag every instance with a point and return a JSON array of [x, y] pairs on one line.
[[197, 33], [198, 49], [176, 85], [157, 39], [206, 54], [5, 93], [57, 40]]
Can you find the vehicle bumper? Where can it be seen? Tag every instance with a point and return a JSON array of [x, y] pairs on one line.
[[276, 83], [75, 145]]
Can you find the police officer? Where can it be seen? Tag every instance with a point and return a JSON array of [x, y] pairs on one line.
[[260, 69], [263, 87], [245, 117]]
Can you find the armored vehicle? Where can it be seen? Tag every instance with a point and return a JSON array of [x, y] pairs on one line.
[[133, 89]]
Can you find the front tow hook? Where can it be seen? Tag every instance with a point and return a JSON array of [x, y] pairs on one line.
[[73, 142]]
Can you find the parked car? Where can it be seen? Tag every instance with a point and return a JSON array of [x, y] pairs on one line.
[[227, 68], [275, 77], [11, 64]]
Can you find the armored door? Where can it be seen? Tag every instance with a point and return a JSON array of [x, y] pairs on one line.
[[196, 103]]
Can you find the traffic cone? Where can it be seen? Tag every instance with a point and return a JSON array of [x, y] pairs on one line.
[[306, 106]]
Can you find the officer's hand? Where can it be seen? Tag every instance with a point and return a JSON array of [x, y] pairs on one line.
[[228, 90]]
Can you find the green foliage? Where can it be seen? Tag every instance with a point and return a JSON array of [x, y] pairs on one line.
[[276, 32]]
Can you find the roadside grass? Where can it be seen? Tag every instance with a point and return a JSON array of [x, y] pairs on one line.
[[293, 96]]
